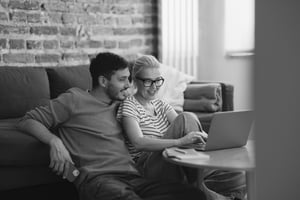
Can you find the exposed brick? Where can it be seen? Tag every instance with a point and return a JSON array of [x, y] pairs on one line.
[[18, 16], [138, 20], [150, 41], [55, 18], [125, 31], [126, 1], [90, 1], [34, 18], [110, 21], [68, 19], [50, 27], [66, 44], [100, 30], [123, 9], [34, 44], [124, 21], [3, 43], [67, 1], [24, 5], [16, 44], [136, 42], [147, 9], [3, 16], [87, 19], [110, 44], [74, 57], [148, 31], [4, 4], [93, 9], [89, 44], [150, 19], [67, 31], [124, 44], [56, 6], [103, 8], [44, 30], [75, 8], [50, 44], [47, 58], [18, 58]]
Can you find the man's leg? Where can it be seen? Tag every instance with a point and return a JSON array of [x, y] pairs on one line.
[[165, 190], [133, 187], [108, 187]]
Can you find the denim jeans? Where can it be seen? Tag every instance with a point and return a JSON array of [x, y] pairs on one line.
[[217, 184], [134, 187]]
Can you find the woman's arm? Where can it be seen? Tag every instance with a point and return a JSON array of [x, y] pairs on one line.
[[171, 115], [140, 142]]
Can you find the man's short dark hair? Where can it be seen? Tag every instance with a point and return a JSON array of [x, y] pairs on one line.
[[105, 64]]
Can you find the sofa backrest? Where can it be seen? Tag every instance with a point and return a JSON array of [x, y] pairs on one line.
[[21, 89], [63, 78], [24, 88]]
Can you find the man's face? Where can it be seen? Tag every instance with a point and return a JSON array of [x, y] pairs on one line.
[[117, 88]]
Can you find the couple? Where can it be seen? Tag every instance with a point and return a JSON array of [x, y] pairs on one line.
[[91, 138]]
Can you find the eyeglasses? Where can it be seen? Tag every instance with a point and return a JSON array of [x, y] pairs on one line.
[[148, 82]]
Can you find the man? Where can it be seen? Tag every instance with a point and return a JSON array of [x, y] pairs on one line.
[[91, 138]]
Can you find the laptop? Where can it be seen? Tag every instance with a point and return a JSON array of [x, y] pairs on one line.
[[228, 129]]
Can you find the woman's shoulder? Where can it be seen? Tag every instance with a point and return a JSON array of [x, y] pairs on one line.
[[158, 102]]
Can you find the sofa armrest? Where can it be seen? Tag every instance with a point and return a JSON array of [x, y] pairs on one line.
[[227, 91]]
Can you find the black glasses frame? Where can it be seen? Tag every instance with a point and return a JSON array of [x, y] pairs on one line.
[[148, 82]]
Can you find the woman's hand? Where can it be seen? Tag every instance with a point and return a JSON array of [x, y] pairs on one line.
[[193, 137]]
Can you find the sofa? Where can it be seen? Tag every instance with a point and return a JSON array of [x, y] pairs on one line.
[[24, 160]]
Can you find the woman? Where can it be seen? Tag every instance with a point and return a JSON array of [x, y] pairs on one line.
[[151, 125]]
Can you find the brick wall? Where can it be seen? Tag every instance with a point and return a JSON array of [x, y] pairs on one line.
[[70, 32]]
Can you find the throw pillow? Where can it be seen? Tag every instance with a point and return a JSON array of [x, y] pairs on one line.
[[172, 91], [63, 78]]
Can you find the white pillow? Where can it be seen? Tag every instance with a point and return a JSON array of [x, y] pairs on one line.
[[174, 86]]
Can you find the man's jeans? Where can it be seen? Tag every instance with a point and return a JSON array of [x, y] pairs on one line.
[[134, 187], [216, 183]]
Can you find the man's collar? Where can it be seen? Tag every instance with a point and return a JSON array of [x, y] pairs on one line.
[[101, 95]]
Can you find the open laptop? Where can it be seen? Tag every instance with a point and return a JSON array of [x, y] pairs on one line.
[[229, 129]]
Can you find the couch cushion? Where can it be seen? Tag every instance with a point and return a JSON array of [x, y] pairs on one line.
[[21, 89], [20, 148], [63, 78]]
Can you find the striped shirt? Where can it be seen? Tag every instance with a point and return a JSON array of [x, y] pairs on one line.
[[151, 125]]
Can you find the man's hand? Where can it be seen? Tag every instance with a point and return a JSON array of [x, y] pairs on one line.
[[60, 159]]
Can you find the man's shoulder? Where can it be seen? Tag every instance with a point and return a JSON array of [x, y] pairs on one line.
[[72, 94]]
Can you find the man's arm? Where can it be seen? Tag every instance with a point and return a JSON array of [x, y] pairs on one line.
[[60, 158]]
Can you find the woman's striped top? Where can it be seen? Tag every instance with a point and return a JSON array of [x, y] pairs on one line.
[[151, 125]]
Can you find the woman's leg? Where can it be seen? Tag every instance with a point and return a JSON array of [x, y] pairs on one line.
[[216, 183], [153, 165], [184, 123]]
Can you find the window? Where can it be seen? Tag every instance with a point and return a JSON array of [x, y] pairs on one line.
[[239, 27]]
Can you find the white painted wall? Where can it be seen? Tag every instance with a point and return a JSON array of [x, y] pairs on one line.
[[214, 65]]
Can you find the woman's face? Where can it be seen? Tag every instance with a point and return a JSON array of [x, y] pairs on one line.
[[148, 82]]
